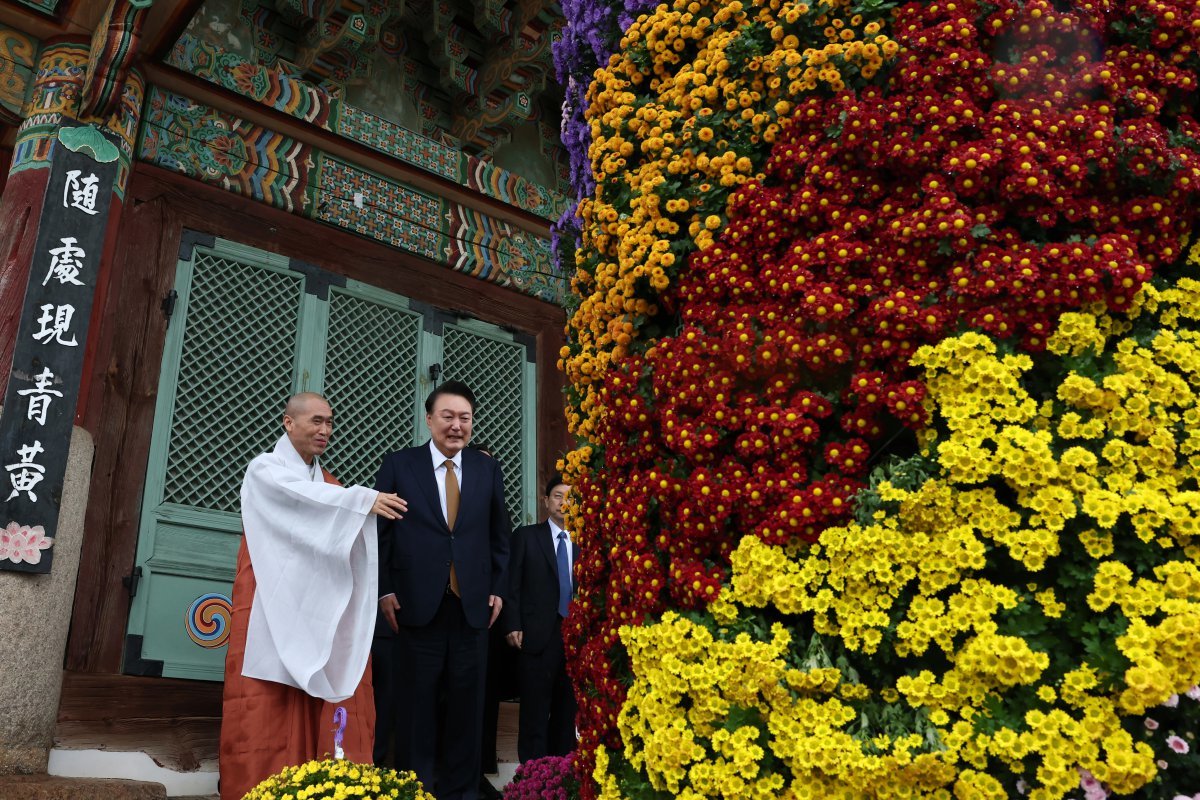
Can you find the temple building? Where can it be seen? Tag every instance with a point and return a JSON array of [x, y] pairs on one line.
[[205, 206]]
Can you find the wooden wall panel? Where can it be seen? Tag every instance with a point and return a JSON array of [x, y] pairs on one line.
[[119, 411]]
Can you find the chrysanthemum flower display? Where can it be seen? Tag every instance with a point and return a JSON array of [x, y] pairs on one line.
[[816, 239], [546, 778], [335, 779], [1007, 610]]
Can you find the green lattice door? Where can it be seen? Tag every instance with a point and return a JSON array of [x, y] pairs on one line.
[[500, 370], [249, 329], [373, 379]]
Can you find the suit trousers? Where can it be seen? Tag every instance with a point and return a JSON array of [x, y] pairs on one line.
[[547, 715], [501, 685], [383, 657], [439, 741]]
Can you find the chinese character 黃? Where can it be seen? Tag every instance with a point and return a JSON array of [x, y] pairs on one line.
[[26, 474]]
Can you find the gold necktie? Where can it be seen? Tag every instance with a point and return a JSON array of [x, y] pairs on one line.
[[451, 515]]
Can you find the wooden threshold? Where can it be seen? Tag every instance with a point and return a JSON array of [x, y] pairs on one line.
[[176, 722]]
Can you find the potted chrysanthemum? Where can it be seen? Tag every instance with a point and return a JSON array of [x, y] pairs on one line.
[[548, 778], [335, 779]]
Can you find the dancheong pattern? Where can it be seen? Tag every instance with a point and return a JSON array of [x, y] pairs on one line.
[[308, 102], [226, 151], [238, 156]]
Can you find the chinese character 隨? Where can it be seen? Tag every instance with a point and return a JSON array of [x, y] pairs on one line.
[[42, 394], [80, 193], [65, 262], [26, 474], [55, 322]]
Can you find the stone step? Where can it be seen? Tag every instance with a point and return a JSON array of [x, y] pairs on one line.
[[51, 787]]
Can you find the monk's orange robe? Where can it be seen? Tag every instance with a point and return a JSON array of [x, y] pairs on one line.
[[266, 726]]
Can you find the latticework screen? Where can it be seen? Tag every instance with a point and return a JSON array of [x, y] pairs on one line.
[[234, 374], [371, 380], [495, 372]]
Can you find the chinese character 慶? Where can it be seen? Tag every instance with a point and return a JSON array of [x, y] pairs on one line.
[[66, 262]]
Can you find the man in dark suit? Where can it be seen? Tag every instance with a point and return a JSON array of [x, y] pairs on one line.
[[541, 585], [501, 681], [442, 577]]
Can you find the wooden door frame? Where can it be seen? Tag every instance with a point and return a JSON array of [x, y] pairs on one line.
[[118, 409]]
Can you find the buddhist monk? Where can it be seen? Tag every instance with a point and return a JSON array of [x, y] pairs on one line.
[[304, 604]]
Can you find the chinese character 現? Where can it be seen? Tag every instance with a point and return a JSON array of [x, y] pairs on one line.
[[80, 193], [55, 322], [42, 394], [26, 474], [65, 262]]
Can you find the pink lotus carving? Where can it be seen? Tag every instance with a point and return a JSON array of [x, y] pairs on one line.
[[23, 543]]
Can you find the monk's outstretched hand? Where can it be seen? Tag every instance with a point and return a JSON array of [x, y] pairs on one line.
[[389, 505]]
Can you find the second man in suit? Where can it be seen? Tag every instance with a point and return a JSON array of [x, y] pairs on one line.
[[540, 590], [442, 579]]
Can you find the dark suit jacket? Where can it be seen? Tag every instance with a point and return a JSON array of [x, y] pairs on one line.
[[532, 602], [415, 552]]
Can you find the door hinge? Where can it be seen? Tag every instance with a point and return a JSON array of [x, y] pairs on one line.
[[131, 580], [168, 305]]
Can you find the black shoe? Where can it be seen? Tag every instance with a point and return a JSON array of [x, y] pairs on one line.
[[487, 791]]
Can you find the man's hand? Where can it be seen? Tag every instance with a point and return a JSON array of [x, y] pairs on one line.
[[389, 506], [388, 606], [496, 604], [515, 639]]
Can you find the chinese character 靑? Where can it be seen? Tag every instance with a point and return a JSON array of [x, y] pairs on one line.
[[26, 474], [79, 192], [40, 396], [66, 262], [56, 322]]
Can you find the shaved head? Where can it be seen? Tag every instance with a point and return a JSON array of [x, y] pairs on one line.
[[308, 420], [298, 403]]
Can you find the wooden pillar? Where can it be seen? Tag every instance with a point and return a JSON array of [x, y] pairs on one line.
[[19, 209], [56, 94], [56, 145], [5, 160]]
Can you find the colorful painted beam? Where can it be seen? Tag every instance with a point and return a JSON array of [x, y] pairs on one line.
[[241, 157], [310, 103]]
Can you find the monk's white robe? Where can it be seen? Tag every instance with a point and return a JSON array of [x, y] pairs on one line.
[[315, 554]]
